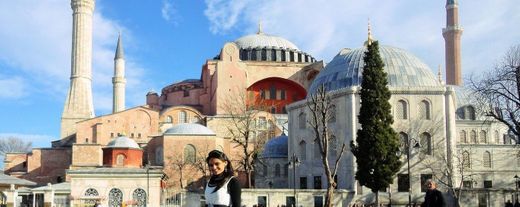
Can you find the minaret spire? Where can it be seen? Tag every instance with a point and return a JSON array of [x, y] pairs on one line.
[[78, 104], [119, 80], [452, 34], [439, 75]]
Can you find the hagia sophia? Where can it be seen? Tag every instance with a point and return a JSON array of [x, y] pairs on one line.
[[143, 156]]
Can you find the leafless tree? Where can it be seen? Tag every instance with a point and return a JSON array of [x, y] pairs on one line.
[[322, 112], [248, 128], [178, 165], [499, 91], [14, 144]]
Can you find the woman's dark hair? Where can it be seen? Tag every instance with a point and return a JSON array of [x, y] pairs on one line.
[[228, 171]]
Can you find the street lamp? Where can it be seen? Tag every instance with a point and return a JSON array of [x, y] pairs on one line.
[[517, 183], [294, 161], [408, 152]]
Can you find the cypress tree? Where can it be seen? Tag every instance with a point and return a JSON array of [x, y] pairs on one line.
[[377, 143]]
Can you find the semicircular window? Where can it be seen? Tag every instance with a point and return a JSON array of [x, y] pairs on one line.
[[91, 192], [115, 198], [139, 196]]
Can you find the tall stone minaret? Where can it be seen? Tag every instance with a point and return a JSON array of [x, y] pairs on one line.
[[452, 34], [78, 105], [119, 78]]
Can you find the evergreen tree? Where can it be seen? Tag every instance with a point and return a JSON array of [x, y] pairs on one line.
[[377, 144]]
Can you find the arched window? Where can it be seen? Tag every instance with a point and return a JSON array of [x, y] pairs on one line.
[[424, 110], [473, 136], [470, 112], [139, 196], [332, 114], [189, 153], [462, 137], [466, 161], [91, 192], [402, 110], [317, 151], [483, 136], [183, 117], [487, 159], [497, 137], [115, 198], [168, 119], [272, 92], [120, 159], [303, 150], [286, 170], [195, 119], [518, 159], [302, 120], [277, 170], [403, 140], [159, 155], [426, 143], [333, 146]]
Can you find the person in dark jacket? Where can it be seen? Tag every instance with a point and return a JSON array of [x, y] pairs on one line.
[[433, 196]]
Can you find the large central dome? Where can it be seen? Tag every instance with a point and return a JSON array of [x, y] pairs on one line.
[[264, 41], [403, 69]]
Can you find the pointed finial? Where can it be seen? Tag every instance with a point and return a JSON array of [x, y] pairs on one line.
[[439, 75], [119, 49], [369, 40], [260, 28]]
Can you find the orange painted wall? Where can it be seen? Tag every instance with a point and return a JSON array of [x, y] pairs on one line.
[[293, 92], [133, 157]]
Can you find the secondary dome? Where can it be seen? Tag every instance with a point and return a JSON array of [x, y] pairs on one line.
[[123, 142], [264, 41], [276, 147], [403, 69], [189, 129]]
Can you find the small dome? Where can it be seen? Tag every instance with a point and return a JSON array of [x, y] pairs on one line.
[[123, 142], [264, 40], [403, 69], [189, 129], [276, 147]]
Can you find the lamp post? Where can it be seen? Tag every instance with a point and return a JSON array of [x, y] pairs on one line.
[[294, 161], [408, 152], [517, 183]]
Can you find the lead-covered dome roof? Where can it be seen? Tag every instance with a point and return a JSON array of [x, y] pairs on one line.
[[263, 40], [189, 129], [403, 69], [122, 142], [276, 147]]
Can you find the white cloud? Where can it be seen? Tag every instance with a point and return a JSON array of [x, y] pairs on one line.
[[169, 12], [322, 28], [12, 87]]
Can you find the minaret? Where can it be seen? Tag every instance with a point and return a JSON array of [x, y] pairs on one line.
[[78, 105], [119, 80], [452, 34]]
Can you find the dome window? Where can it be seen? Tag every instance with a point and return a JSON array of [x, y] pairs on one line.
[[303, 150], [424, 110], [402, 110]]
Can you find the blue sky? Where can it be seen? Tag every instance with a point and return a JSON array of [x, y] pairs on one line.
[[166, 41]]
